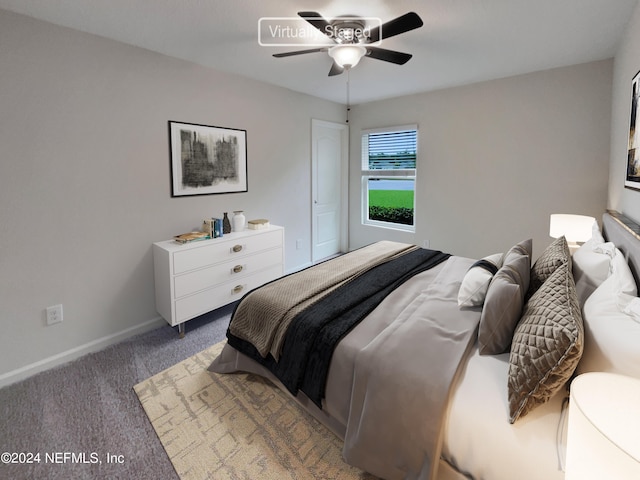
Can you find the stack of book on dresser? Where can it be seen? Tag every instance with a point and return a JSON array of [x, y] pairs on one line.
[[213, 227], [191, 237]]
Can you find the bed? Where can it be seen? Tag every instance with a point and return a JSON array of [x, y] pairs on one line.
[[444, 367]]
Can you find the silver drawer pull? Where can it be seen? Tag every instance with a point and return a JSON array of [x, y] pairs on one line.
[[237, 268], [237, 248], [238, 288]]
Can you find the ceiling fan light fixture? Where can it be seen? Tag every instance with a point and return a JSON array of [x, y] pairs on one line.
[[347, 56]]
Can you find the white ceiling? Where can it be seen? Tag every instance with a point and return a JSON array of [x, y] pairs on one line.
[[461, 42]]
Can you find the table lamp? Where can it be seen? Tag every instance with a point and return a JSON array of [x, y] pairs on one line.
[[604, 428], [575, 228]]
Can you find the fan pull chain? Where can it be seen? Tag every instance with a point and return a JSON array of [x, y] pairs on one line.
[[348, 100]]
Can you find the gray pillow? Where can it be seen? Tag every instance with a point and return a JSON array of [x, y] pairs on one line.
[[504, 301], [547, 344], [525, 247], [503, 306]]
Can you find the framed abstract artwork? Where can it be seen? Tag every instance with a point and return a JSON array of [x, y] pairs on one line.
[[632, 179], [207, 160]]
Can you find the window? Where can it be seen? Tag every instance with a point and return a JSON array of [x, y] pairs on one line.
[[389, 177]]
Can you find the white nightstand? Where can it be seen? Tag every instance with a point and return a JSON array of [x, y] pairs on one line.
[[195, 278]]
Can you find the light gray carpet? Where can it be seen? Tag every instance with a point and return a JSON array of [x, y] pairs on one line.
[[76, 415]]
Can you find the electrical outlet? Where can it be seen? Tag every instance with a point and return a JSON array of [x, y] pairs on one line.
[[298, 244], [54, 314], [425, 243]]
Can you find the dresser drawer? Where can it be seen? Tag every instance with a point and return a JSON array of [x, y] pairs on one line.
[[210, 299], [197, 280], [219, 250]]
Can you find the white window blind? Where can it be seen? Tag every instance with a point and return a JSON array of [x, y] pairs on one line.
[[392, 150]]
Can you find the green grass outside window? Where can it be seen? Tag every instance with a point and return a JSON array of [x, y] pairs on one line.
[[394, 206]]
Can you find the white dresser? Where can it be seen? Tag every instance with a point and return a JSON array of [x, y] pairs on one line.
[[198, 277]]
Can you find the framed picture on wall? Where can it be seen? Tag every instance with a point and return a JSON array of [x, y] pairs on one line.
[[207, 160], [632, 179]]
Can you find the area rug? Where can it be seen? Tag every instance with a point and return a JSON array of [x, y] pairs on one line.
[[237, 426]]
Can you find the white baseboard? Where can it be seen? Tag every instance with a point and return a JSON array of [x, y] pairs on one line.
[[77, 352], [298, 268]]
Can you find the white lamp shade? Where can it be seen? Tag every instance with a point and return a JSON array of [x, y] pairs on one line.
[[604, 428], [575, 228], [347, 56]]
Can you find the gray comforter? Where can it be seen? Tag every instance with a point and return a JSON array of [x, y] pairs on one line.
[[264, 315], [391, 376]]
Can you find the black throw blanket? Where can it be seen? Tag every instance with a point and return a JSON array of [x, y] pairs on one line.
[[315, 332]]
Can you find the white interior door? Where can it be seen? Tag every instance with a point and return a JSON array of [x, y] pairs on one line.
[[329, 164]]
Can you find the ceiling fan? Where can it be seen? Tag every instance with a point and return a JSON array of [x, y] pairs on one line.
[[353, 39]]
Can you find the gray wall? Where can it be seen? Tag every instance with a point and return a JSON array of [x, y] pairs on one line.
[[495, 159], [626, 65], [85, 182]]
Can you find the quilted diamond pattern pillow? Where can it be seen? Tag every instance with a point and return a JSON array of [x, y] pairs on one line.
[[553, 256], [547, 344]]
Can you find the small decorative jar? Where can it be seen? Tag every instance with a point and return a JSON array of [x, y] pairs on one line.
[[238, 221]]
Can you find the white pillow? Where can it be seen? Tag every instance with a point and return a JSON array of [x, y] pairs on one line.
[[612, 336], [630, 305], [475, 284], [591, 264], [596, 234], [621, 273]]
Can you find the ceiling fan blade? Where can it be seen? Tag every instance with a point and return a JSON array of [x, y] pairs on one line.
[[318, 21], [404, 23], [335, 69], [392, 56], [299, 52]]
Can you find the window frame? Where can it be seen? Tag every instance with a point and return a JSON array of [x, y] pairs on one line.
[[367, 174]]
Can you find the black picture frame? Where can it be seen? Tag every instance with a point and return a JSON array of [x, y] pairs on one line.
[[632, 173], [207, 160]]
